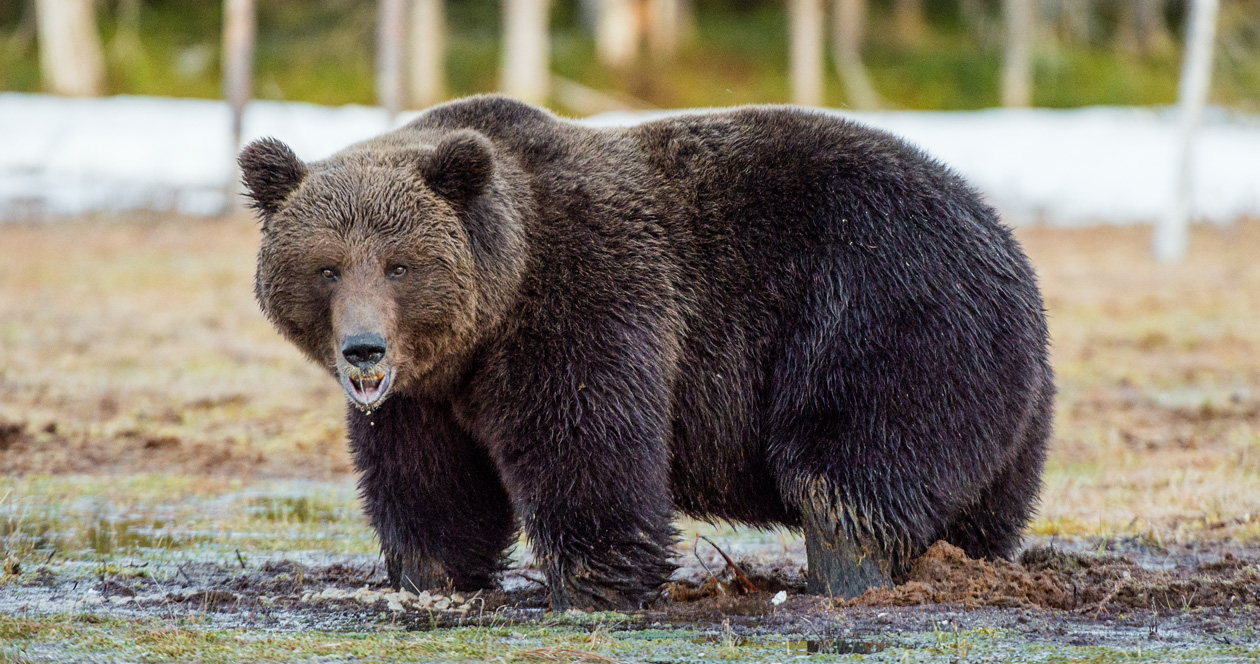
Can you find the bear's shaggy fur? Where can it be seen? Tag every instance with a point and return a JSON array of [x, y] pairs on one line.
[[761, 315]]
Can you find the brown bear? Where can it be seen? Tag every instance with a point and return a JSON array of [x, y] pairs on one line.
[[768, 316]]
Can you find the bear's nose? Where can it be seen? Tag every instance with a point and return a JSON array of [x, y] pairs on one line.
[[363, 350]]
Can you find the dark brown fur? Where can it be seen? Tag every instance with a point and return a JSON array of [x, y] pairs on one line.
[[764, 315]]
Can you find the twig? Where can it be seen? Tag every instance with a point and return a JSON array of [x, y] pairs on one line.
[[739, 573], [523, 575], [695, 549], [239, 559], [1102, 606]]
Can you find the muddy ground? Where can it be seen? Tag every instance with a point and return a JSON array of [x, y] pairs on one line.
[[1060, 602], [176, 486]]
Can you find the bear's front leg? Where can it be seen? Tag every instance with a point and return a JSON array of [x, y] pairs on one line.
[[433, 496], [584, 458]]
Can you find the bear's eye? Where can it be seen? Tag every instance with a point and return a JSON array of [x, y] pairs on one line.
[[329, 273], [397, 271]]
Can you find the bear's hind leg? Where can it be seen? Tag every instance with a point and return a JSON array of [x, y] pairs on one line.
[[992, 526], [837, 565]]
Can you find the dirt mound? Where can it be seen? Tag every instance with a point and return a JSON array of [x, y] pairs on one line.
[[1048, 578], [1105, 583], [945, 575]]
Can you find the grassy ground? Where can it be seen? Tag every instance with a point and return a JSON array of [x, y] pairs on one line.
[[159, 443]]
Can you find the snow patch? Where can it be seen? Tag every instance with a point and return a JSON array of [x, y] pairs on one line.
[[62, 156]]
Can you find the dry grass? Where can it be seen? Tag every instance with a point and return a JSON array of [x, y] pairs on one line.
[[137, 347]]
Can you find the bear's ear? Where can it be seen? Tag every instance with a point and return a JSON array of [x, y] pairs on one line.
[[459, 167], [270, 172]]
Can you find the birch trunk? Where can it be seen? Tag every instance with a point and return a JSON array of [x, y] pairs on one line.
[[807, 52], [1017, 69], [526, 67], [618, 32], [71, 60], [427, 49], [848, 26], [1196, 77], [390, 35]]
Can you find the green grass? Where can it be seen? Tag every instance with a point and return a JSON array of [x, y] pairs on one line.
[[102, 518], [90, 638]]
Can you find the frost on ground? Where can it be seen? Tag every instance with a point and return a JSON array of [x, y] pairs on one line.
[[1082, 166], [1122, 597]]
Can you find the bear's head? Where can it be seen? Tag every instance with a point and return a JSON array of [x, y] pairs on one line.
[[386, 262]]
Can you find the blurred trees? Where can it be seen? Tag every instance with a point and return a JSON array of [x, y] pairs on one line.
[[885, 53]]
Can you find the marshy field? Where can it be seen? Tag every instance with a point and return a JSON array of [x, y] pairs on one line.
[[175, 486]]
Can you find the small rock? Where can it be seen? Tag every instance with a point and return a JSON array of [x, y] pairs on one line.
[[779, 598]]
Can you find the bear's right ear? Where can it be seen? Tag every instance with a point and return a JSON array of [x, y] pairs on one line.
[[459, 167], [270, 172]]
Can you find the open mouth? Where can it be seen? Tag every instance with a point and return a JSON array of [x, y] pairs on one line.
[[366, 391]]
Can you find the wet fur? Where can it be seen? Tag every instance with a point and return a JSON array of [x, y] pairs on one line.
[[764, 315]]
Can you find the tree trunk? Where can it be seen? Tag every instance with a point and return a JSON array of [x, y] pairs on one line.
[[848, 26], [908, 15], [428, 51], [526, 66], [1018, 65], [618, 32], [71, 61], [390, 34], [1152, 30], [239, 30], [807, 52], [1076, 20], [665, 25], [1196, 77]]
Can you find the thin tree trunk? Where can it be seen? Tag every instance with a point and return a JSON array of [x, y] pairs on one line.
[[526, 66], [1152, 30], [665, 24], [618, 33], [1196, 77], [239, 31], [428, 52], [908, 15], [1141, 28], [807, 52], [125, 47], [1018, 65], [1076, 20], [848, 26], [71, 61], [983, 27], [390, 35]]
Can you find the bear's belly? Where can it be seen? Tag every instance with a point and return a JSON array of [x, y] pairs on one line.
[[718, 470]]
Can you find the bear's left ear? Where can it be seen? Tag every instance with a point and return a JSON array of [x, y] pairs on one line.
[[271, 172], [459, 167]]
